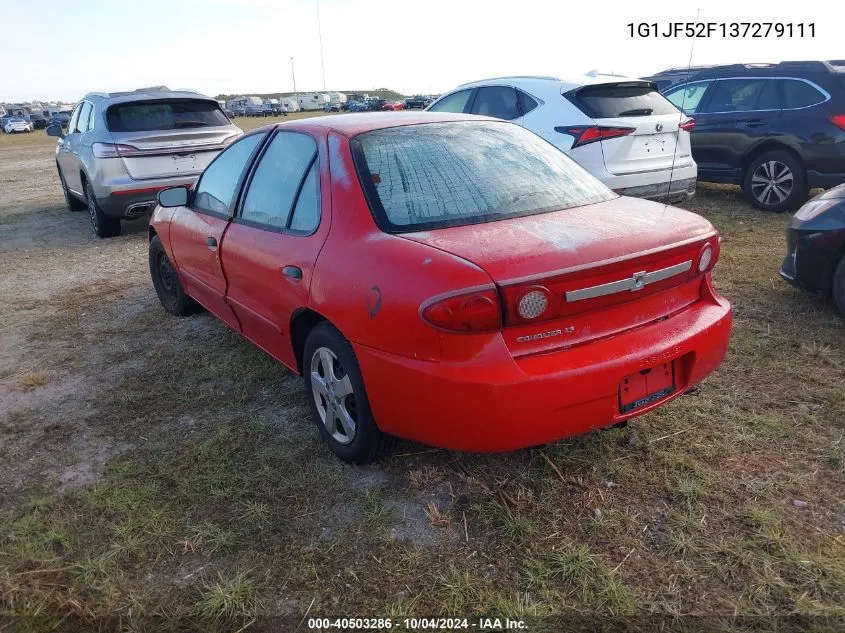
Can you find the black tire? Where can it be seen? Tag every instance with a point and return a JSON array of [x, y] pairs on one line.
[[73, 203], [166, 282], [367, 442], [104, 225], [839, 286], [775, 181]]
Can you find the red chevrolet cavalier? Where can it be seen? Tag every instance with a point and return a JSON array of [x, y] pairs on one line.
[[450, 279]]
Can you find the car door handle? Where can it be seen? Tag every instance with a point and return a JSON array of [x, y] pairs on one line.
[[292, 272], [211, 243]]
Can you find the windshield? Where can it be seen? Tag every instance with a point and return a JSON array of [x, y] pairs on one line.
[[175, 114], [451, 174]]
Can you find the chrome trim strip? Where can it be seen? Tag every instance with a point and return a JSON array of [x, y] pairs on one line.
[[637, 281], [824, 93]]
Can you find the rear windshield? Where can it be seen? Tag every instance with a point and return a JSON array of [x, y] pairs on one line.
[[175, 114], [452, 174], [609, 101]]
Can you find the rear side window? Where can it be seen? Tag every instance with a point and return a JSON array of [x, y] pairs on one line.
[[609, 101], [220, 181], [173, 114], [452, 103], [82, 119], [526, 102], [451, 174], [687, 98], [278, 180], [497, 101], [800, 94]]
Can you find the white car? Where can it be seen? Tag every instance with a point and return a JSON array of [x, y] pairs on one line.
[[16, 124], [621, 130]]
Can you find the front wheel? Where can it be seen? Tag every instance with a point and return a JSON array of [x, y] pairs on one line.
[[775, 182], [839, 286], [339, 404], [166, 282]]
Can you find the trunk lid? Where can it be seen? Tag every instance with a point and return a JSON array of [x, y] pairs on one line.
[[587, 258], [165, 153]]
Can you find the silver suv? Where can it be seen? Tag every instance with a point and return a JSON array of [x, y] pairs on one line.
[[121, 148]]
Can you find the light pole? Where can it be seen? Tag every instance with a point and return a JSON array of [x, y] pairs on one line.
[[293, 75], [320, 36]]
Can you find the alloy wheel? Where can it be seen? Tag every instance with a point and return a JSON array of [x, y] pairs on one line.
[[333, 395], [772, 182]]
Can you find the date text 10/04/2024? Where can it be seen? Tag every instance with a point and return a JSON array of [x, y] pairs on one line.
[[485, 625], [722, 29]]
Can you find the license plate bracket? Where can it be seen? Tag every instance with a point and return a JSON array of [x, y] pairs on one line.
[[641, 388]]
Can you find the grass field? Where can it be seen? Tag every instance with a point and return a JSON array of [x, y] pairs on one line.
[[207, 502]]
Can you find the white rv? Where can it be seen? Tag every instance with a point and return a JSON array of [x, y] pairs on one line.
[[336, 98], [289, 104], [313, 101]]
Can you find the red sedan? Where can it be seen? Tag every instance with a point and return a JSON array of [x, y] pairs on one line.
[[445, 278], [393, 105]]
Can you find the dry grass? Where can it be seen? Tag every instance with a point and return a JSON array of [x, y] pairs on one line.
[[227, 509], [32, 379]]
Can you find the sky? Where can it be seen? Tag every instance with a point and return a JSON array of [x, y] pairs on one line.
[[412, 46]]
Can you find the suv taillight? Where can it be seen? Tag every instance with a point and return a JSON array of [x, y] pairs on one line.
[[688, 125], [838, 120], [590, 134], [112, 150], [473, 311]]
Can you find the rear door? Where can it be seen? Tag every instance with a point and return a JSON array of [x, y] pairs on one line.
[[642, 133], [501, 102], [731, 120], [270, 249], [196, 231], [168, 137]]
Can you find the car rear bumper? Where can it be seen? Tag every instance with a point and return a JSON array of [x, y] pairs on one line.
[[669, 185], [498, 403], [135, 200]]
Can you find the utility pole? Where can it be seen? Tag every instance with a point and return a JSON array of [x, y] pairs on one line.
[[320, 36]]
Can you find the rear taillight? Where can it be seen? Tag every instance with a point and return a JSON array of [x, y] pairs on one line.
[[590, 134], [473, 311], [687, 125], [111, 150], [708, 255], [838, 120]]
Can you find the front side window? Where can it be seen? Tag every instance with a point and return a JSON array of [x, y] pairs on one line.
[[165, 114], [735, 95], [218, 185], [455, 102], [451, 174], [687, 98], [278, 180], [500, 102]]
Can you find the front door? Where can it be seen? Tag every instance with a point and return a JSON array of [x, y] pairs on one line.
[[270, 249], [196, 231], [68, 146]]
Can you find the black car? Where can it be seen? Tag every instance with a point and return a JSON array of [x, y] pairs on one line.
[[39, 121], [777, 130], [815, 242], [375, 104], [417, 101], [62, 118]]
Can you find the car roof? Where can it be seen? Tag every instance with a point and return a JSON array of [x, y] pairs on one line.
[[353, 124], [544, 84]]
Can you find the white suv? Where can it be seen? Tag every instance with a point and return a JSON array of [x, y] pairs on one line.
[[621, 130]]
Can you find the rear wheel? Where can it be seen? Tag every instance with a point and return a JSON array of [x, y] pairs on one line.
[[73, 203], [166, 282], [339, 404], [839, 286], [775, 181], [104, 225]]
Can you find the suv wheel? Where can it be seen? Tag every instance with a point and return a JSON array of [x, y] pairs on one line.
[[339, 404], [104, 225], [775, 181], [839, 286], [73, 203]]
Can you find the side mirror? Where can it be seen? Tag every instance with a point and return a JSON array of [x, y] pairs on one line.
[[173, 197], [55, 130]]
